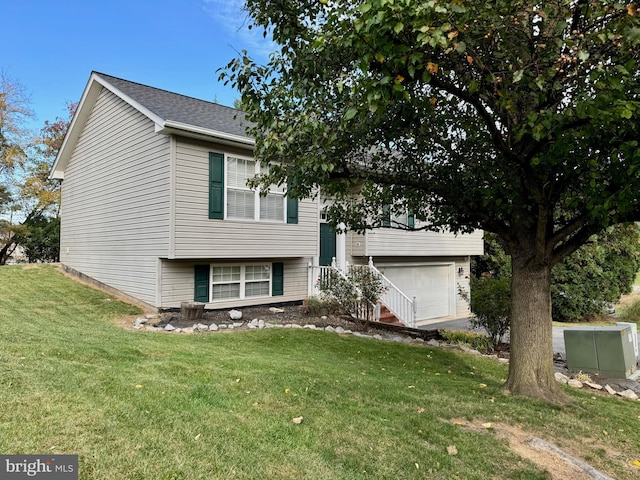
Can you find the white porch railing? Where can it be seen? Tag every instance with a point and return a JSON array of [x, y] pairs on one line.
[[403, 307]]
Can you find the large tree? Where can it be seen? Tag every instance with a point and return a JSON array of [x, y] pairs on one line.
[[516, 117]]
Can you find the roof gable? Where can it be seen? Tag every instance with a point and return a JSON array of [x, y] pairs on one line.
[[171, 112]]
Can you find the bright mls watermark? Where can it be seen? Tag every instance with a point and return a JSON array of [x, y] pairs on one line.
[[45, 467]]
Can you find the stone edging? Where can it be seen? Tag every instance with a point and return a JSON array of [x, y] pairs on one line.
[[261, 324]]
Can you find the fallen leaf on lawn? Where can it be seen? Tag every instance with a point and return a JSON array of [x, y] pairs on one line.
[[421, 410], [458, 423], [605, 432], [452, 450], [286, 390], [197, 436], [237, 380], [417, 466], [297, 420], [363, 372], [636, 463], [483, 385], [255, 404], [411, 386], [138, 386], [487, 425]]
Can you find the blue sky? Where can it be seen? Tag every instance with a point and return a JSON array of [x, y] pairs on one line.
[[51, 46]]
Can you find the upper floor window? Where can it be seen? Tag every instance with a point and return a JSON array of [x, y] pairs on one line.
[[230, 197]]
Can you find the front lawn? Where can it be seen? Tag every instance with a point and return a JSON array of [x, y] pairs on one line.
[[142, 405]]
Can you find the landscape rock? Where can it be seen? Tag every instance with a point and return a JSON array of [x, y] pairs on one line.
[[595, 386], [169, 328], [222, 326], [310, 327], [253, 323], [295, 325], [235, 314], [323, 318], [329, 328], [561, 378], [139, 322], [377, 336], [149, 316], [574, 383], [237, 324], [610, 390], [261, 323], [276, 310], [213, 327], [187, 330], [340, 330], [628, 394], [201, 327], [433, 343]]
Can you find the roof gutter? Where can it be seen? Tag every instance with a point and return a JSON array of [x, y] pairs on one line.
[[169, 127]]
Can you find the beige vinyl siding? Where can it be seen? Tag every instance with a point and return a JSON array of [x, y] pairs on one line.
[[115, 199], [387, 241], [198, 236], [178, 282]]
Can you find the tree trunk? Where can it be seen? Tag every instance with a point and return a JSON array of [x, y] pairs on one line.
[[531, 371]]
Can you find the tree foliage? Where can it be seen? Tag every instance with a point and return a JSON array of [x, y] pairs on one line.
[[517, 117], [596, 275], [14, 112], [583, 284], [26, 191]]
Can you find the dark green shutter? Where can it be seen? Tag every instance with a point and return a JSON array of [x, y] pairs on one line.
[[216, 185], [292, 210], [386, 216], [201, 283], [277, 279], [292, 205], [411, 219]]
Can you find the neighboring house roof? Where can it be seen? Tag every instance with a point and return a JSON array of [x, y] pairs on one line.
[[171, 112]]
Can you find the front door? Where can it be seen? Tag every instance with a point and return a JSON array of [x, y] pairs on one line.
[[327, 244]]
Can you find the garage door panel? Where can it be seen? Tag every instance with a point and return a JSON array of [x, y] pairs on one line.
[[431, 285]]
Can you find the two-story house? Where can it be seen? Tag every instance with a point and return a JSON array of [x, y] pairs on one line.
[[155, 206]]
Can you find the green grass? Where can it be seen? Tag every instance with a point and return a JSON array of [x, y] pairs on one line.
[[141, 405]]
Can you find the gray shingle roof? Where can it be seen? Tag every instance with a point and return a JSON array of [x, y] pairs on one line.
[[179, 108]]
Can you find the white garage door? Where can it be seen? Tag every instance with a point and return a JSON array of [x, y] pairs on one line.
[[431, 285]]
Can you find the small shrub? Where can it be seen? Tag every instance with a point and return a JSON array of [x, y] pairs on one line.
[[478, 341], [316, 307], [490, 302], [348, 291], [631, 313]]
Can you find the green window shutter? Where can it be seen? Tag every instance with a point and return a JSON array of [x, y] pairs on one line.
[[277, 279], [386, 216], [292, 210], [201, 283], [411, 219], [216, 185]]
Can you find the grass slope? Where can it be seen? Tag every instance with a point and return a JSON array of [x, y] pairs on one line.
[[136, 405]]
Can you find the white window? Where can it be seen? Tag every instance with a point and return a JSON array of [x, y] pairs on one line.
[[240, 281], [243, 202]]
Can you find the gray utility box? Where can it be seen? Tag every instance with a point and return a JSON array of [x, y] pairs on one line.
[[606, 351]]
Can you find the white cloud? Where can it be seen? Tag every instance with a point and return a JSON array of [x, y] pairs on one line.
[[231, 16]]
